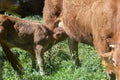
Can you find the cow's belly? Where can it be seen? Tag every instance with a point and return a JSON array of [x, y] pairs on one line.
[[82, 21], [79, 33]]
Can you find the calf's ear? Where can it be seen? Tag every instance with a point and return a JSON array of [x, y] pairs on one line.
[[58, 32]]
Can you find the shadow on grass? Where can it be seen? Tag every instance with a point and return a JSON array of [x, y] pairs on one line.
[[54, 61]]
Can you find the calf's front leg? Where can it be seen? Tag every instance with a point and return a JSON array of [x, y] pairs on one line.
[[40, 60]]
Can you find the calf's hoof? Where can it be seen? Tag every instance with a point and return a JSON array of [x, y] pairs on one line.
[[77, 63], [42, 73]]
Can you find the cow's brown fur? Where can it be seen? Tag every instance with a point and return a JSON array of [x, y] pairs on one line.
[[51, 11], [30, 36], [94, 22], [51, 14]]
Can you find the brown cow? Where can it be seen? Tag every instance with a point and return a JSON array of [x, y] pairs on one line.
[[94, 22], [30, 36], [22, 7], [51, 13]]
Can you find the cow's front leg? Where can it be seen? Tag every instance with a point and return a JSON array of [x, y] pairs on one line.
[[40, 60], [73, 46]]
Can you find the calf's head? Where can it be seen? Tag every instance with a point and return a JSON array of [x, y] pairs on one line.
[[54, 36]]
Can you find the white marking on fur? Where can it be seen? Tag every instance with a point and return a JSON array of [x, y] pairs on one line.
[[112, 46], [113, 60], [60, 24]]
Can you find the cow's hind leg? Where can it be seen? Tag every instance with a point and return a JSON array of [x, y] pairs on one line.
[[39, 56], [12, 59], [73, 46]]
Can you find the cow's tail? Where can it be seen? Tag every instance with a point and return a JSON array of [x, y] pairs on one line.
[[12, 58]]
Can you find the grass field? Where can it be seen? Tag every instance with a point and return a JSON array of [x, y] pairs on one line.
[[59, 65]]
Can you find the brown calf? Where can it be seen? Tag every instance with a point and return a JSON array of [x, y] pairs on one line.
[[30, 36]]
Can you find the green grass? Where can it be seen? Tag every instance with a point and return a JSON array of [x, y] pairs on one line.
[[58, 63]]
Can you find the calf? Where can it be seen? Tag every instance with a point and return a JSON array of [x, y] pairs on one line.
[[30, 36]]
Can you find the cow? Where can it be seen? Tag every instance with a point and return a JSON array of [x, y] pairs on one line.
[[51, 13], [95, 22], [30, 36], [91, 22]]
